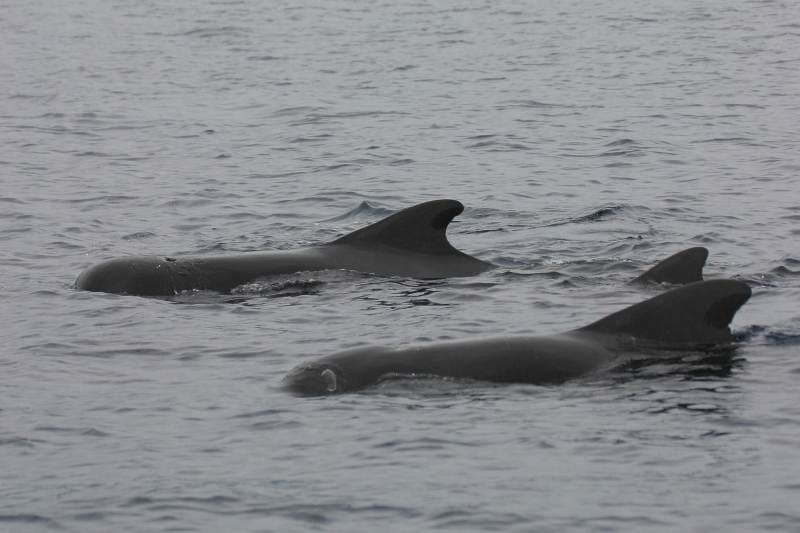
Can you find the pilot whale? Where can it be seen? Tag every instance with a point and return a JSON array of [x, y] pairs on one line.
[[410, 243], [690, 317]]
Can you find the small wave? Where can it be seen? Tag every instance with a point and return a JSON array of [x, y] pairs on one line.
[[723, 140], [431, 387], [240, 355], [21, 442], [27, 518], [298, 110], [780, 338], [312, 138], [424, 443], [603, 213], [598, 215], [537, 104], [224, 31], [137, 501], [87, 432], [621, 142], [492, 145], [263, 412], [336, 166], [749, 106], [106, 199], [766, 335], [277, 175], [784, 271], [629, 153], [23, 96], [363, 209], [774, 276], [525, 103], [264, 58], [91, 154], [9, 200], [315, 512], [272, 425], [717, 363], [292, 286], [323, 118], [138, 235], [624, 147], [470, 519]]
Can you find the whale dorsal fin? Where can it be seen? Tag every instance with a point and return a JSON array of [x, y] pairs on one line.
[[683, 267], [693, 315], [420, 228]]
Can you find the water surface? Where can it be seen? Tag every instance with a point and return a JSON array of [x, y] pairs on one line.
[[587, 140]]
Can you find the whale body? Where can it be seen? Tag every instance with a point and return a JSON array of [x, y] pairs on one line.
[[409, 243], [690, 317]]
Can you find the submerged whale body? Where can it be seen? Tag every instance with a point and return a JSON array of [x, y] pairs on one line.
[[410, 243], [694, 316]]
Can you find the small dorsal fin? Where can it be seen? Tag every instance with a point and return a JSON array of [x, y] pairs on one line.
[[685, 266], [420, 228], [691, 315]]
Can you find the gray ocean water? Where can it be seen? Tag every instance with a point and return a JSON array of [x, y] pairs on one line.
[[588, 140]]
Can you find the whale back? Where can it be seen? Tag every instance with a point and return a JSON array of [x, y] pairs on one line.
[[683, 267], [698, 314], [421, 228]]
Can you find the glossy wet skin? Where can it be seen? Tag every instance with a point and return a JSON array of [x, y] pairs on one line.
[[315, 379], [688, 317], [685, 266], [167, 276], [541, 360], [410, 243]]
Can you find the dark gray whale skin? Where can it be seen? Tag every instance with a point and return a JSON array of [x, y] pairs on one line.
[[694, 316], [409, 243], [683, 267]]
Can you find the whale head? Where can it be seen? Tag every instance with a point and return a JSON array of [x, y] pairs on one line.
[[315, 379], [145, 276]]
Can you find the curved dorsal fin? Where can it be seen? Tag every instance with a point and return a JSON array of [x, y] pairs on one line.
[[692, 315], [685, 266], [420, 228]]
